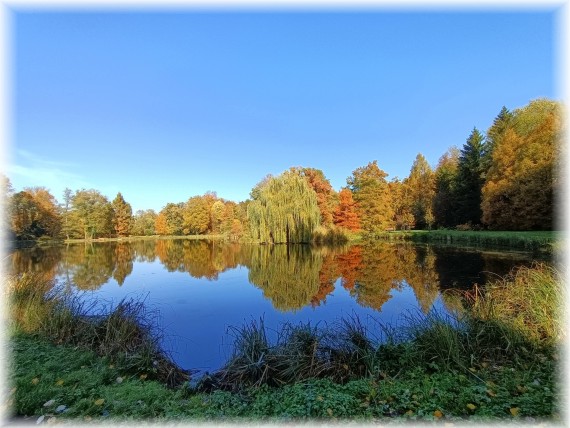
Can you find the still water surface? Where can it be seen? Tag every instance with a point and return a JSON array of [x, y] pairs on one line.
[[200, 288]]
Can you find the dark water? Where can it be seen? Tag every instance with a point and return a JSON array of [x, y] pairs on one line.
[[200, 288]]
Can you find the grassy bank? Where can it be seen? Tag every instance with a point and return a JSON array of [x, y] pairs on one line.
[[540, 241], [64, 382], [492, 362]]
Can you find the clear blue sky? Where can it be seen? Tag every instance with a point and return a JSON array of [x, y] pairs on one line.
[[163, 106]]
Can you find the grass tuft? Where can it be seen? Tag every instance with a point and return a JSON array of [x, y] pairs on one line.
[[125, 333]]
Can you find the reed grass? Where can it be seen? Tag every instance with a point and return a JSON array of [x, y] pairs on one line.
[[125, 334], [514, 320]]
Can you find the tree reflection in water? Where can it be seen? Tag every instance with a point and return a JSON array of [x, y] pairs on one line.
[[291, 276]]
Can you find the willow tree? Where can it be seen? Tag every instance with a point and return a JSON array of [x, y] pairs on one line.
[[283, 209]]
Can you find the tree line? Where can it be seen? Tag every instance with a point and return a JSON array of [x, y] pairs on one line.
[[504, 179]]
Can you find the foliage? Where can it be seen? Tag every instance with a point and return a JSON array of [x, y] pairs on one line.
[[196, 215], [284, 209], [421, 185], [170, 220], [444, 202], [345, 214], [122, 216], [93, 213], [326, 197], [371, 193], [470, 179], [34, 213], [144, 223], [521, 180]]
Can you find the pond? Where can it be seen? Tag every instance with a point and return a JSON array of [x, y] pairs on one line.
[[199, 288]]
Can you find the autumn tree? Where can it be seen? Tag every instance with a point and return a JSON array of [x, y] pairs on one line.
[[196, 216], [421, 186], [93, 213], [371, 193], [402, 201], [283, 209], [522, 180], [470, 179], [170, 219], [345, 214], [122, 216], [66, 213], [326, 197], [144, 223], [445, 177], [34, 213]]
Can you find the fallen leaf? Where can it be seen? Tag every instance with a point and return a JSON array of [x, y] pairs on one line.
[[35, 381], [49, 403], [471, 406], [59, 382], [491, 393], [111, 366], [143, 376], [329, 411], [438, 414], [99, 402], [514, 411], [409, 413]]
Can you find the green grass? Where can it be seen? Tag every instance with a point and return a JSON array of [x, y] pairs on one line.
[[45, 376], [536, 241]]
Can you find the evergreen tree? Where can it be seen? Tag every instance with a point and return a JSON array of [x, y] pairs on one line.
[[470, 179], [496, 133]]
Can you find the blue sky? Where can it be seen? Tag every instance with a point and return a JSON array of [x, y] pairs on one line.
[[162, 106]]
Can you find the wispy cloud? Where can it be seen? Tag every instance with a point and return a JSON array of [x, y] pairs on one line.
[[32, 170]]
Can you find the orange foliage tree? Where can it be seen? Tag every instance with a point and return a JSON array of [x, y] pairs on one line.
[[345, 214]]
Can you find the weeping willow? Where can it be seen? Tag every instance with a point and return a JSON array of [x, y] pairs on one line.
[[284, 210]]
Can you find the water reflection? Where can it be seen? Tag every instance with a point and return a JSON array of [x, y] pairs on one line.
[[290, 277]]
